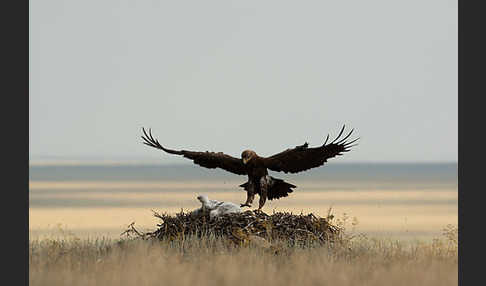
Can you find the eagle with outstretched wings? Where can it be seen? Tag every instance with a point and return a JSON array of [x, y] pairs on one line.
[[293, 160]]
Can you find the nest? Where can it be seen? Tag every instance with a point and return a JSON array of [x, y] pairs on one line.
[[241, 228]]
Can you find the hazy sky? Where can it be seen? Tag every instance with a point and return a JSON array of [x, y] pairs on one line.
[[230, 75]]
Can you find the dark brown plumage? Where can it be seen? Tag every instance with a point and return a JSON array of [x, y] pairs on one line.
[[293, 160]]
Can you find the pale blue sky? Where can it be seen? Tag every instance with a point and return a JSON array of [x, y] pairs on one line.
[[230, 75]]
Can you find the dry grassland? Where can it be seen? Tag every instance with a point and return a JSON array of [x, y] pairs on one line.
[[355, 260]]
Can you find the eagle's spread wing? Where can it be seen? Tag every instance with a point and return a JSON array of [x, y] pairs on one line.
[[206, 159], [302, 158]]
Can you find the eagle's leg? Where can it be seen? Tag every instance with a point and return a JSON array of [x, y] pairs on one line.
[[264, 184], [249, 199], [250, 195]]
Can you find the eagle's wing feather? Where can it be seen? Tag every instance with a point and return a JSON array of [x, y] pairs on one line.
[[205, 159], [302, 158]]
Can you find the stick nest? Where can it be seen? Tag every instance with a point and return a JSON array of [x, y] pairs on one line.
[[246, 226]]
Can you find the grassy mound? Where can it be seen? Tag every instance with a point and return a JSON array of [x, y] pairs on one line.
[[244, 227]]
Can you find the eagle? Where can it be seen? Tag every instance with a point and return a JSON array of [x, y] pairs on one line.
[[293, 160]]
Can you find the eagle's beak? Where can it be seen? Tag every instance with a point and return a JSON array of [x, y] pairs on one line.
[[245, 160]]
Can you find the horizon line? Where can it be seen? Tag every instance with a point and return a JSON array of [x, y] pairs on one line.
[[72, 162]]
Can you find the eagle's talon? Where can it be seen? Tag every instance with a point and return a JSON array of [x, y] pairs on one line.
[[245, 205]]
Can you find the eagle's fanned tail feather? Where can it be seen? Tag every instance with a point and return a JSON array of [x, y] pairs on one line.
[[277, 189]]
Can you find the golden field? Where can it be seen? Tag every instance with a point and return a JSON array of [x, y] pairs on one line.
[[212, 261], [394, 235]]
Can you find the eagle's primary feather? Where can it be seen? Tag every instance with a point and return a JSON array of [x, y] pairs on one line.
[[302, 158], [206, 159]]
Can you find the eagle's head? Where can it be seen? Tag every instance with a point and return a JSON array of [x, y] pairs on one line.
[[247, 155]]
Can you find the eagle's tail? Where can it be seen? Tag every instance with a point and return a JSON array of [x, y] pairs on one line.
[[278, 188]]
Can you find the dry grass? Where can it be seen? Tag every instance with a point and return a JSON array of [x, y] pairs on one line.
[[356, 260]]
